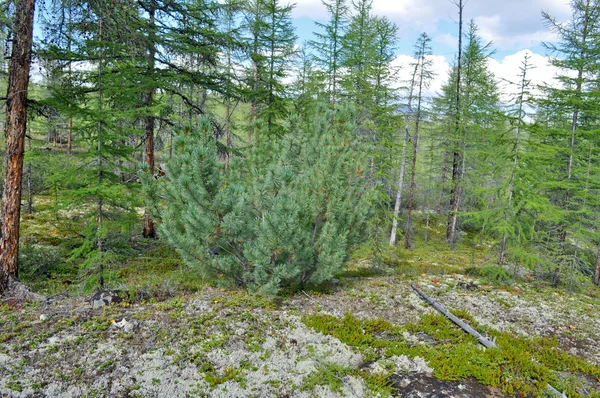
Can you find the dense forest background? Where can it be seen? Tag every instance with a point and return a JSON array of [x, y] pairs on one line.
[[266, 163]]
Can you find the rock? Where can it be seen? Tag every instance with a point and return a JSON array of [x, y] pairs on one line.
[[468, 286], [45, 317], [104, 297], [125, 324]]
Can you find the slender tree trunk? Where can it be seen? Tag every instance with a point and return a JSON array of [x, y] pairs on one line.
[[149, 229], [597, 273], [579, 88], [415, 142], [70, 137], [14, 133], [429, 188], [253, 97], [456, 192], [444, 177], [100, 201], [29, 190], [70, 122], [393, 235], [513, 175]]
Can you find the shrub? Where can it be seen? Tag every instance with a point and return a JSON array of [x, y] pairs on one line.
[[284, 214], [36, 262]]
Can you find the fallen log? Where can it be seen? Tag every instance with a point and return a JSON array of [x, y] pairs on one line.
[[488, 343], [483, 340]]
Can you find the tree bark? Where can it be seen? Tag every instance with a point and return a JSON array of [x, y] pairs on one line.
[[597, 273], [29, 191], [415, 142], [456, 193], [513, 175], [393, 237], [100, 200], [444, 174], [15, 127], [149, 229]]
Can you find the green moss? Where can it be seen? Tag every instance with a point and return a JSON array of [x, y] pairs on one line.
[[14, 386], [326, 375], [243, 299], [228, 373], [523, 366]]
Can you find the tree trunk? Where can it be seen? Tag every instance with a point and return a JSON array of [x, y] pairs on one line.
[[597, 274], [149, 230], [29, 191], [15, 127], [456, 192], [415, 142], [228, 114], [70, 137], [513, 176], [443, 184], [393, 237], [100, 200], [575, 117]]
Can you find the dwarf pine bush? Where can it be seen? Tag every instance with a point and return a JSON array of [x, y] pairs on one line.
[[286, 213]]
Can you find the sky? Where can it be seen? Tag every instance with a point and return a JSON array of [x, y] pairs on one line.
[[514, 27]]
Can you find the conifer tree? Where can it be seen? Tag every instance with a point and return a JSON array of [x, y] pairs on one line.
[[272, 41], [286, 214], [328, 44], [478, 119], [14, 133], [422, 78], [309, 88], [149, 231], [359, 54], [509, 220], [574, 105], [456, 191]]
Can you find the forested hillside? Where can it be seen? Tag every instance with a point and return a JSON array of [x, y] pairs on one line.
[[165, 154]]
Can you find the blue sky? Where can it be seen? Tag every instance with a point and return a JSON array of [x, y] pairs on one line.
[[514, 27]]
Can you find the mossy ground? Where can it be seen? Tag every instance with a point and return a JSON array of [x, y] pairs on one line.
[[196, 339]]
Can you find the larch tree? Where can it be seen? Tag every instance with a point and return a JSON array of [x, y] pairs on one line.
[[328, 44], [279, 44], [422, 79], [400, 186], [520, 101], [14, 133], [478, 119], [149, 230], [577, 54], [456, 190]]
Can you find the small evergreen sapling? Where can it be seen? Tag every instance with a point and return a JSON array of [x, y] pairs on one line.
[[285, 214]]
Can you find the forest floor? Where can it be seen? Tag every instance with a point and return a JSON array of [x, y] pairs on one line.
[[223, 343], [368, 334]]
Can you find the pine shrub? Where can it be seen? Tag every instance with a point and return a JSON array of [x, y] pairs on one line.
[[285, 214]]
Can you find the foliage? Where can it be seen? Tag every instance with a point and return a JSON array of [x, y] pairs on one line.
[[38, 261], [285, 214]]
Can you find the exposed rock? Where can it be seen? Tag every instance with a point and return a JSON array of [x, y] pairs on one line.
[[104, 297], [125, 323]]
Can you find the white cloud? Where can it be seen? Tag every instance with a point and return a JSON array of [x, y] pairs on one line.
[[510, 24], [447, 39], [507, 71], [439, 66], [491, 29], [309, 8]]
